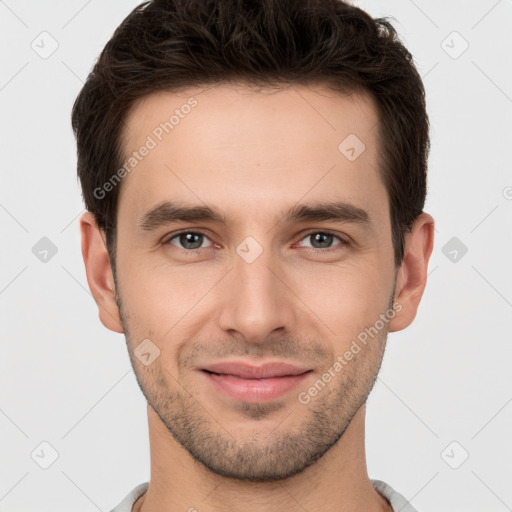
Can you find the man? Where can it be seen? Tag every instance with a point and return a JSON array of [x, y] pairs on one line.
[[255, 175]]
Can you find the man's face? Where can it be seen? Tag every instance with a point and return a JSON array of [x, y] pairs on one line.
[[260, 286]]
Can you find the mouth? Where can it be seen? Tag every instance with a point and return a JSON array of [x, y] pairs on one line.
[[255, 383]]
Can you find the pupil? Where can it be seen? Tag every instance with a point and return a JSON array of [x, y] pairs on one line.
[[187, 240], [322, 238]]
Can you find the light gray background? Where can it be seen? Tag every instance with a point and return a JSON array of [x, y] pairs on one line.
[[67, 381]]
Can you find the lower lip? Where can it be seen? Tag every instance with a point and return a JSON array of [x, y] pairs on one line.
[[255, 390]]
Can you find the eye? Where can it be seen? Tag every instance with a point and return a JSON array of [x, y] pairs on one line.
[[323, 241], [319, 240], [188, 240]]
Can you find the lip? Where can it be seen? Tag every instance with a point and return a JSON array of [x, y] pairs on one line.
[[251, 383], [248, 371]]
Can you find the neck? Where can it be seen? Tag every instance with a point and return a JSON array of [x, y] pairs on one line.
[[337, 482]]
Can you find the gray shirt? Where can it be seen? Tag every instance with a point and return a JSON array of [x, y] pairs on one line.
[[398, 502]]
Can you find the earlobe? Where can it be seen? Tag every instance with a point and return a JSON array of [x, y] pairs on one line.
[[412, 275], [99, 272]]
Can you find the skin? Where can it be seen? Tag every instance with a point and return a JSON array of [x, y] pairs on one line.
[[253, 155]]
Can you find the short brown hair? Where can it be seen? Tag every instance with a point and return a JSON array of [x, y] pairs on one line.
[[174, 44]]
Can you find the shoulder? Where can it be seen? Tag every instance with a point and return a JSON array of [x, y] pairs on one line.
[[397, 501], [128, 501]]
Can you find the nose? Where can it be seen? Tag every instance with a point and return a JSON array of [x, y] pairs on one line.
[[256, 300]]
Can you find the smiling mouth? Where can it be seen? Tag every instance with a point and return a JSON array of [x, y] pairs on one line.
[[255, 388]]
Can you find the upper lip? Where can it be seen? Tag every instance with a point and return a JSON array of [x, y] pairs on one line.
[[249, 371]]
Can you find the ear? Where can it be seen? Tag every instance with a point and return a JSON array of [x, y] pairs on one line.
[[99, 272], [412, 274]]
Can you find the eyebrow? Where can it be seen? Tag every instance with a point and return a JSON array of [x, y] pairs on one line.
[[167, 212]]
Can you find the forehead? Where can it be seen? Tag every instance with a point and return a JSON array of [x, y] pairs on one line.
[[235, 146], [237, 112]]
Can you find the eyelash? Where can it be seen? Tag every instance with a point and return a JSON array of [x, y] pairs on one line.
[[343, 242]]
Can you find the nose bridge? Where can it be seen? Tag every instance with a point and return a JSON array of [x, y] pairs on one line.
[[255, 301]]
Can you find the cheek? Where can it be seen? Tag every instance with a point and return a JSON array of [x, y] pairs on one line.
[[346, 298], [162, 299]]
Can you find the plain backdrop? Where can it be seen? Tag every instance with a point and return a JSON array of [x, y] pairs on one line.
[[440, 417]]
